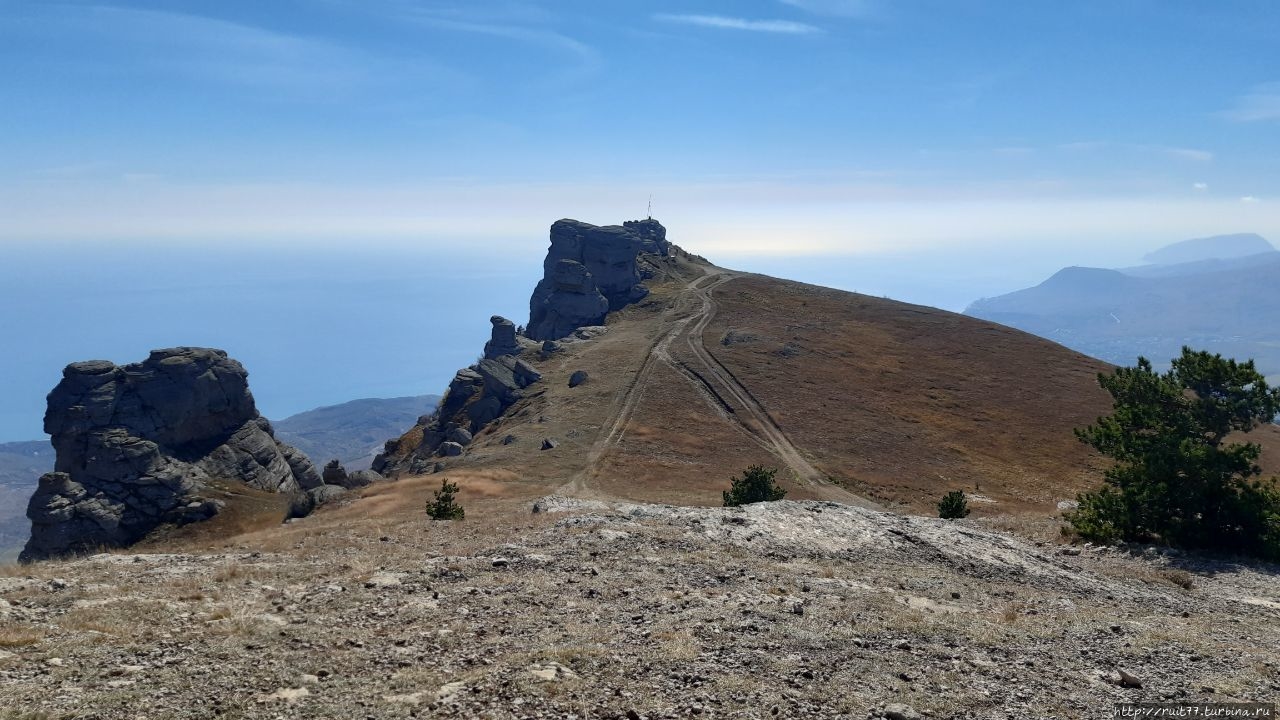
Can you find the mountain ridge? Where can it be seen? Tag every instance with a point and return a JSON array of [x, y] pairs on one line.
[[1207, 248], [1225, 305]]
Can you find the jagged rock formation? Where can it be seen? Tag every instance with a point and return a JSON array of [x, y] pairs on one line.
[[503, 339], [334, 474], [590, 271], [139, 446], [477, 396]]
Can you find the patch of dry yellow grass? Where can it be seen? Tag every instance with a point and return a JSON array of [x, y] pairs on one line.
[[15, 635]]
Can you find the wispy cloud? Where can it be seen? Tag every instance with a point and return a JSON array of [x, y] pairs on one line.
[[205, 49], [836, 8], [1200, 186], [1082, 146], [1249, 200], [785, 27], [519, 23], [1262, 103], [1180, 153]]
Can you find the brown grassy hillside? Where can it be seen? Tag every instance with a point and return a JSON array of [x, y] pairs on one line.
[[906, 402], [852, 397]]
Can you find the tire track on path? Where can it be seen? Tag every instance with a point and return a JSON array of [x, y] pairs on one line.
[[718, 386]]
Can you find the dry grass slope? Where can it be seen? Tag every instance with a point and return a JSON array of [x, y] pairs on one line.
[[905, 402]]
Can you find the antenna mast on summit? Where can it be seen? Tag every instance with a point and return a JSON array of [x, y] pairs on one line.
[[650, 206]]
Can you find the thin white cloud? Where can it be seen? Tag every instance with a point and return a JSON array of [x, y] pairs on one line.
[[521, 27], [78, 170], [1249, 200], [785, 27], [1082, 146], [546, 38], [1180, 153], [143, 44], [1200, 186], [835, 8], [1260, 104]]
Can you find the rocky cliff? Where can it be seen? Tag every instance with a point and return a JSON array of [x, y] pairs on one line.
[[590, 271], [477, 396], [139, 446]]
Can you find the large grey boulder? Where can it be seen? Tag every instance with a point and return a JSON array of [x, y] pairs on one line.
[[144, 445], [335, 474], [326, 494], [363, 478], [502, 339], [505, 377], [564, 300], [590, 271]]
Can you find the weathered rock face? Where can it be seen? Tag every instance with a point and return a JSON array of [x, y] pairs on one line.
[[140, 445], [334, 474], [503, 339], [653, 236], [477, 396], [590, 271]]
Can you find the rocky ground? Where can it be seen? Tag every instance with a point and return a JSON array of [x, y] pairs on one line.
[[593, 610]]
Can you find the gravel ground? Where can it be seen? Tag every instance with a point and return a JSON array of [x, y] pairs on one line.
[[598, 610]]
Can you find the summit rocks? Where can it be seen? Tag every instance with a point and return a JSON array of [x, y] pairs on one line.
[[590, 271], [139, 446], [503, 340]]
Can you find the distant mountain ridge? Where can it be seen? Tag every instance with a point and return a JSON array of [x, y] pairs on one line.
[[353, 432], [1219, 247], [1222, 298], [21, 465]]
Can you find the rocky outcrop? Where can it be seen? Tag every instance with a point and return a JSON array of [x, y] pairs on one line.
[[477, 396], [590, 271], [502, 341], [334, 474], [144, 445], [652, 235]]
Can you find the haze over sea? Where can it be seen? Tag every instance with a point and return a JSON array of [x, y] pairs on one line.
[[320, 326]]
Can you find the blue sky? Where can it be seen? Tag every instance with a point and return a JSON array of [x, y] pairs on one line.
[[158, 159], [850, 125]]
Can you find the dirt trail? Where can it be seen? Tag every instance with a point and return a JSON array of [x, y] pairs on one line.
[[717, 385], [764, 427], [625, 406]]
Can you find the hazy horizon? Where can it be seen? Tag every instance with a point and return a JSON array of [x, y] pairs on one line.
[[323, 325]]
